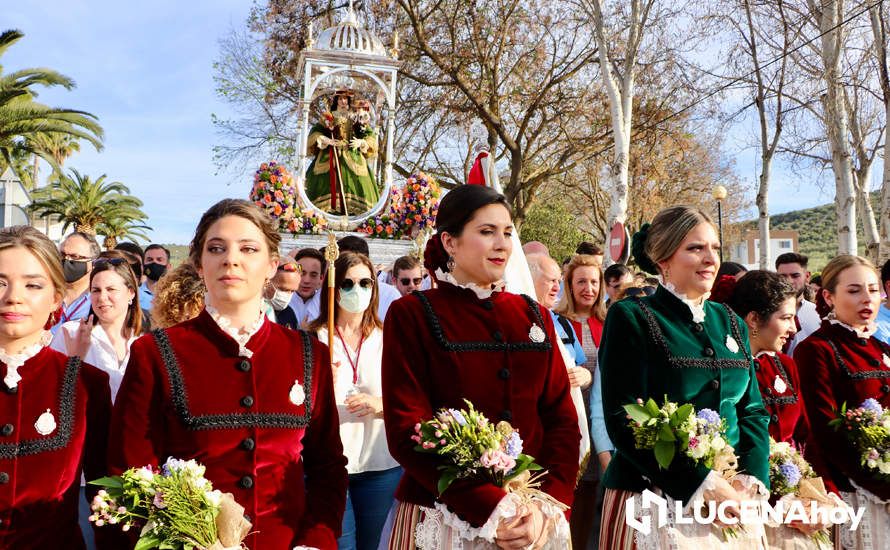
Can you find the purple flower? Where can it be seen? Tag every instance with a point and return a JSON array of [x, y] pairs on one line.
[[514, 445], [791, 473], [872, 405], [708, 416], [458, 416], [158, 501]]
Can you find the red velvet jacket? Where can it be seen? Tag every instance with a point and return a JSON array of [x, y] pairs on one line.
[[445, 345], [837, 367], [187, 394], [596, 330], [40, 474], [788, 420]]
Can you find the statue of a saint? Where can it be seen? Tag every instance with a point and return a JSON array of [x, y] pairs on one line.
[[339, 180]]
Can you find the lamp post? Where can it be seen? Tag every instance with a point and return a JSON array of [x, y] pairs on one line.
[[720, 195]]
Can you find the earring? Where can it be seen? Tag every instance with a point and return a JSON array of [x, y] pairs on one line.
[[450, 264], [754, 333], [130, 303]]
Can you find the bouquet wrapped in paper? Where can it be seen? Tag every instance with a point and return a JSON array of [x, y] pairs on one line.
[[175, 508], [867, 427]]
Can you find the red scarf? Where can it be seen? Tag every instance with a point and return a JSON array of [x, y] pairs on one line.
[[596, 330]]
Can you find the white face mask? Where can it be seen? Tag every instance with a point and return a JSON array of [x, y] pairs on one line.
[[356, 299], [281, 299]]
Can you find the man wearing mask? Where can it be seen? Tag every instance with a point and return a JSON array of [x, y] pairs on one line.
[[305, 301], [78, 250], [281, 290], [155, 263], [793, 268]]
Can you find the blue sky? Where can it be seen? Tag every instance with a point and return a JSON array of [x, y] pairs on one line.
[[146, 69]]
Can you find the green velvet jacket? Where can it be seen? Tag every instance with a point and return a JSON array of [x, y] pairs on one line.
[[652, 348]]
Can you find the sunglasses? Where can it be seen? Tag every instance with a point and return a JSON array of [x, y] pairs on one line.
[[406, 281], [633, 292], [290, 268], [347, 284], [110, 261]]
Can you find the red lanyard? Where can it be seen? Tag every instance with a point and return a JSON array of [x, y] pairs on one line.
[[74, 307], [358, 354]]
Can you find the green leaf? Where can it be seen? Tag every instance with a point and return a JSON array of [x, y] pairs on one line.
[[666, 433], [445, 480], [652, 407], [637, 413], [147, 542], [114, 481], [684, 411], [664, 453]]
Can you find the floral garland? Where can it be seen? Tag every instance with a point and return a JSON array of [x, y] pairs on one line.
[[274, 191], [412, 209]]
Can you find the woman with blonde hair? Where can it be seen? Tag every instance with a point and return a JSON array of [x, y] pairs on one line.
[[179, 296], [583, 310], [357, 353], [677, 345], [55, 409], [843, 363]]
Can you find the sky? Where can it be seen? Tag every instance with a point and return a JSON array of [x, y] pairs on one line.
[[146, 70]]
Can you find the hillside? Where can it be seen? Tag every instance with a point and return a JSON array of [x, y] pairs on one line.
[[816, 226]]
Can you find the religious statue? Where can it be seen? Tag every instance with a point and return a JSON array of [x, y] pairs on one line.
[[342, 182]]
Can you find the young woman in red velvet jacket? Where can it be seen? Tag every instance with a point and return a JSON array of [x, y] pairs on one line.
[[767, 304], [54, 410], [468, 339], [843, 363], [251, 400]]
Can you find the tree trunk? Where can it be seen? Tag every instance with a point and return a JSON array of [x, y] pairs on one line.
[[867, 214], [829, 15], [879, 30], [884, 249], [763, 212]]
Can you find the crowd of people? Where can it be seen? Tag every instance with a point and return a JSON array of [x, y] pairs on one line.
[[118, 359]]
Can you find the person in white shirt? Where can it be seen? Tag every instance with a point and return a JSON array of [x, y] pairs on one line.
[[793, 267], [305, 301], [103, 338], [357, 352], [386, 292], [882, 323]]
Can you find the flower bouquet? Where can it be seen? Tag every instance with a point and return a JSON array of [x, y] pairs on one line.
[[412, 209], [792, 478], [176, 508], [273, 191], [868, 429], [306, 221]]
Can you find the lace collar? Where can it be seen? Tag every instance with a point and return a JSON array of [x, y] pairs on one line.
[[697, 307], [765, 352], [872, 328], [241, 337], [13, 362], [481, 292]]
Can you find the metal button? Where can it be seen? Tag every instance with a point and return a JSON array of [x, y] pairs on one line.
[[7, 429], [698, 327], [715, 384], [247, 401], [12, 390], [248, 444], [885, 388], [709, 352], [4, 478], [488, 305], [874, 362], [247, 518], [769, 391], [245, 482], [506, 416], [756, 366], [244, 365], [504, 373], [498, 337], [862, 341], [774, 418]]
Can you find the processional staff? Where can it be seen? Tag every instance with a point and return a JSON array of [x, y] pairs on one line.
[[331, 252]]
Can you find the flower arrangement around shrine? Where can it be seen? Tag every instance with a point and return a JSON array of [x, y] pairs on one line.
[[175, 507], [412, 209], [273, 191], [867, 427]]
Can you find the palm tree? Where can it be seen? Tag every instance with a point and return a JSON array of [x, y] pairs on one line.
[[87, 204], [22, 119], [117, 229]]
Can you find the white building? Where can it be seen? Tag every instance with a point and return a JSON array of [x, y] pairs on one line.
[[14, 202], [747, 251]]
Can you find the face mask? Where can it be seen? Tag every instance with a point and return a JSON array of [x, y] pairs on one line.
[[73, 270], [281, 299], [154, 271], [355, 300]]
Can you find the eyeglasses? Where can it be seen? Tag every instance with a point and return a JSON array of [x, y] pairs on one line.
[[633, 291], [291, 268], [406, 281], [76, 258], [111, 261], [347, 284]]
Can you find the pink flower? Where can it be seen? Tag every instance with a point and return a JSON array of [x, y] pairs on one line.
[[693, 443], [498, 460]]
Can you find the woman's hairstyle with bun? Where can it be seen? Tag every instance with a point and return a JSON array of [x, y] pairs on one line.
[[657, 241]]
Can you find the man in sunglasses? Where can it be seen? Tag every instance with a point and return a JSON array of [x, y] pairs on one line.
[[407, 274], [78, 250]]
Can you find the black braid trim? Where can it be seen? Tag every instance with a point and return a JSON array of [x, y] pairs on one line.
[[64, 426], [861, 375], [447, 345], [179, 395], [785, 399]]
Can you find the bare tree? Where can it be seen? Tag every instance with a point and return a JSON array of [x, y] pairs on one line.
[[878, 19]]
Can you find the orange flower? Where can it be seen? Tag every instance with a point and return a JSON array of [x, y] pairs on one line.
[[273, 178], [418, 217], [277, 209], [416, 187], [379, 228], [389, 230], [279, 195]]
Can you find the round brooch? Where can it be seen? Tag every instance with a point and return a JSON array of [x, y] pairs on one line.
[[731, 344], [780, 384], [46, 423], [536, 334], [297, 394]]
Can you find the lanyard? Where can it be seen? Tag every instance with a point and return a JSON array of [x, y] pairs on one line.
[[358, 354], [74, 307]]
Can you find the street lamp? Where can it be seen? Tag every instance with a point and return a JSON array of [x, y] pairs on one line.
[[720, 195]]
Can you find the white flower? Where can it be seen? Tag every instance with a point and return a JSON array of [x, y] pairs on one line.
[[718, 443], [213, 497], [884, 467], [145, 474]]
